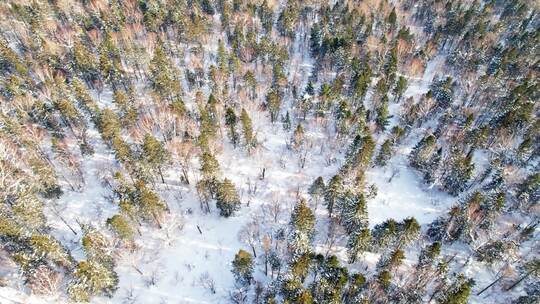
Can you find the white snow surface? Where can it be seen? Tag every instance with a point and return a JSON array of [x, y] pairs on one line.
[[170, 262]]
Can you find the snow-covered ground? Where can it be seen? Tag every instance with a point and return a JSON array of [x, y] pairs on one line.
[[194, 250]]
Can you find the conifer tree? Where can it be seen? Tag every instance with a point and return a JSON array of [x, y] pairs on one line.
[[163, 75], [149, 203], [227, 200], [333, 192], [298, 137], [385, 153], [154, 154], [249, 137], [358, 243], [400, 88], [121, 227], [382, 114], [92, 278], [209, 166], [354, 212], [273, 102], [231, 121], [425, 157], [458, 171], [243, 267], [317, 190], [301, 228]]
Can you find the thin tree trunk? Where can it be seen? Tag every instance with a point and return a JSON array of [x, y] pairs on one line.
[[519, 281], [487, 287]]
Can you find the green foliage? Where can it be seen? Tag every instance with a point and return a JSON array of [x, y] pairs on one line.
[[333, 192], [45, 245], [243, 267], [302, 228], [121, 227], [92, 278], [227, 199], [273, 102], [209, 165], [249, 137]]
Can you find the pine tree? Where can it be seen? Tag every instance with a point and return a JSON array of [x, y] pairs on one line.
[[458, 171], [382, 114], [429, 254], [329, 286], [443, 92], [109, 124], [243, 267], [209, 166], [298, 137], [333, 192], [231, 121], [163, 75], [149, 203], [529, 190], [354, 212], [315, 38], [317, 190], [92, 278], [425, 156], [121, 227], [458, 293], [358, 243], [249, 137], [392, 18], [400, 88], [302, 226], [343, 114], [286, 121], [273, 102], [391, 261], [385, 153], [227, 200], [154, 154]]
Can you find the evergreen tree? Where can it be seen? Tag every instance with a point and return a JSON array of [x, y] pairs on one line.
[[163, 75], [317, 190], [382, 114], [458, 171], [385, 153], [231, 121], [458, 293], [425, 156], [227, 200], [400, 88], [209, 166], [273, 102], [298, 137], [301, 228], [249, 137], [358, 243], [243, 267], [286, 121], [333, 192], [354, 210], [121, 227], [149, 203], [154, 154], [92, 278]]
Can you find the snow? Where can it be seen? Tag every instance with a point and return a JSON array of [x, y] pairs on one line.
[[170, 264]]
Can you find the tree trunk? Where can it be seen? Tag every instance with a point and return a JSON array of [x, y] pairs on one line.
[[161, 175], [518, 281], [487, 287], [253, 249]]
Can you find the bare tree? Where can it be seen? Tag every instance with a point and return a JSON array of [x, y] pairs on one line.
[[250, 234]]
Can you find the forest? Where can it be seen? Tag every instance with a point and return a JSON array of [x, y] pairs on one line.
[[265, 151]]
